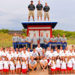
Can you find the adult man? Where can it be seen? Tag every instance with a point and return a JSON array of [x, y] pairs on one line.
[[58, 39], [53, 41], [39, 49], [42, 41], [31, 9], [47, 40], [35, 54], [43, 63], [39, 7], [64, 39], [29, 40], [15, 41], [32, 64], [35, 41], [46, 11]]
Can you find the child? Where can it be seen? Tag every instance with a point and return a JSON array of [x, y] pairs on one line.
[[52, 63], [63, 66], [58, 64], [74, 66], [69, 65], [6, 66], [18, 66], [1, 66], [24, 66], [12, 66]]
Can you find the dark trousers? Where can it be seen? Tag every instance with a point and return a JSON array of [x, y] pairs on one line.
[[42, 45], [29, 45], [15, 45], [46, 46], [34, 46], [53, 47]]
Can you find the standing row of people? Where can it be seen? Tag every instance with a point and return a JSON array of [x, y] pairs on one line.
[[43, 41], [39, 8]]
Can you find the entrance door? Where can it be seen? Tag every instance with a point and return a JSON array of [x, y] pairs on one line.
[[32, 32], [45, 32]]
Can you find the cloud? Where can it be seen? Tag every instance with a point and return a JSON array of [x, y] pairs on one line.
[[14, 12]]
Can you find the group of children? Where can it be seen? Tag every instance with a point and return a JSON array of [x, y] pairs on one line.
[[22, 60]]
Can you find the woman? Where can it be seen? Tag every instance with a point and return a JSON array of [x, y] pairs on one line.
[[12, 66], [6, 66], [24, 66], [18, 66], [1, 66]]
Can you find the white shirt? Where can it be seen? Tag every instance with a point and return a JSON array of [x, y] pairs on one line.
[[63, 65], [38, 49], [55, 54], [24, 55], [12, 66], [58, 63], [24, 65], [43, 61], [69, 63], [1, 65], [6, 63], [18, 65], [52, 63], [48, 54], [16, 54], [34, 54], [74, 64]]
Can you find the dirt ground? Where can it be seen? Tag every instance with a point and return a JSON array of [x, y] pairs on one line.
[[39, 73]]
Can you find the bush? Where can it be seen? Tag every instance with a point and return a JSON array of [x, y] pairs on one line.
[[68, 34], [4, 30]]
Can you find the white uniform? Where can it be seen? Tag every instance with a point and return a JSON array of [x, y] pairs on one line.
[[34, 54], [6, 64], [58, 63], [13, 54], [12, 65], [38, 49], [24, 65], [4, 55], [18, 65], [55, 54], [1, 65], [69, 63], [24, 55], [53, 65], [63, 65], [17, 54], [43, 61], [61, 51], [47, 54], [9, 56], [74, 64], [1, 53]]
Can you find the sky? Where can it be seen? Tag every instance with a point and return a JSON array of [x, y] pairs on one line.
[[14, 12]]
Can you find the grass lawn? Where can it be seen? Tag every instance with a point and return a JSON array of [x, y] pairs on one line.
[[6, 40]]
